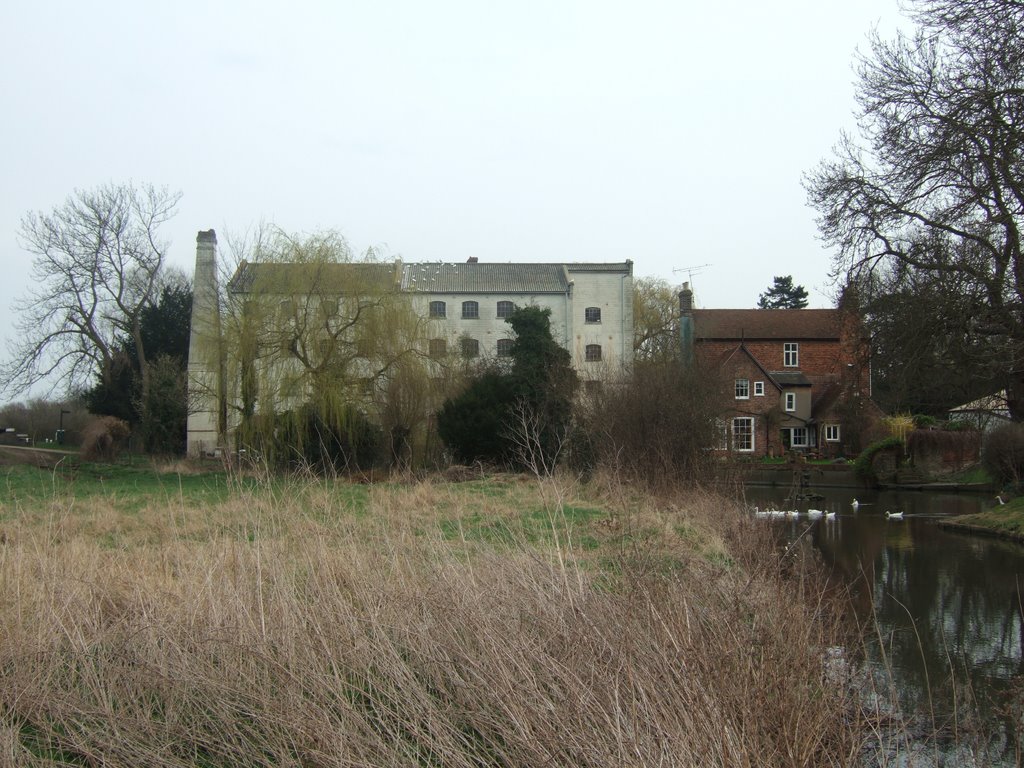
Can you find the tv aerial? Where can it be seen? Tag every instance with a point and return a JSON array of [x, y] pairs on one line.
[[696, 269]]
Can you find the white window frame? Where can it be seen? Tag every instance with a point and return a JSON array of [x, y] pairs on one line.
[[805, 443], [742, 389], [832, 433], [791, 354], [746, 432], [790, 402], [758, 389]]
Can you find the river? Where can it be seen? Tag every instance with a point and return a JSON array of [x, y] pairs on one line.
[[948, 613]]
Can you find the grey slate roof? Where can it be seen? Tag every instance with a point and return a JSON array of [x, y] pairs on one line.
[[485, 278], [790, 379], [329, 278]]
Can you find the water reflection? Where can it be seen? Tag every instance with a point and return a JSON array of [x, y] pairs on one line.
[[947, 605]]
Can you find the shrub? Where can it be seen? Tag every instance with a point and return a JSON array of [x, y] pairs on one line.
[[473, 424], [1002, 453], [654, 426], [326, 442], [864, 465], [104, 438]]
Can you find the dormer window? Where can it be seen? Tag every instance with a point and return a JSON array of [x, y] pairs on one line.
[[791, 354]]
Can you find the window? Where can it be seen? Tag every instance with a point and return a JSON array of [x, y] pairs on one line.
[[791, 354], [328, 308], [592, 314], [438, 309], [791, 401], [505, 308], [743, 433], [742, 389], [504, 347], [326, 347], [470, 347], [758, 389], [438, 348], [798, 437], [593, 353], [470, 310], [831, 433]]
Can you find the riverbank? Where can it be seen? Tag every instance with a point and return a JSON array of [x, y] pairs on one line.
[[1004, 521], [218, 619]]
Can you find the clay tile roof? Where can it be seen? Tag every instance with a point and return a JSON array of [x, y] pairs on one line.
[[771, 324]]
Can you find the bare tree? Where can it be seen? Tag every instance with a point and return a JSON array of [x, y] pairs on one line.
[[935, 182], [97, 261]]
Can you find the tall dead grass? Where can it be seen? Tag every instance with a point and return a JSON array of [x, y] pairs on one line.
[[306, 637]]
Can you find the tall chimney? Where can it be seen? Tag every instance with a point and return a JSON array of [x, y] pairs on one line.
[[205, 374]]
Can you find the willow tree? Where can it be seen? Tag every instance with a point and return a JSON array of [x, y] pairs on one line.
[[316, 336]]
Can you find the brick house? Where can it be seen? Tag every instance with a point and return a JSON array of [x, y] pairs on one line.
[[797, 379]]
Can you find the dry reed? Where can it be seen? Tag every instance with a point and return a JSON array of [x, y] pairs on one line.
[[280, 629]]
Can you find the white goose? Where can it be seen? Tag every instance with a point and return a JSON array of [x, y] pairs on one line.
[[830, 515], [814, 514], [855, 504], [893, 515]]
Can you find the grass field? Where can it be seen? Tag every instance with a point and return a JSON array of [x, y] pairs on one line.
[[187, 618]]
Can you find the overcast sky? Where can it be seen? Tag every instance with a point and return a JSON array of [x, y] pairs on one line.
[[670, 133]]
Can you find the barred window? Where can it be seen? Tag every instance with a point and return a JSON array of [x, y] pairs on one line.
[[593, 353], [438, 348], [470, 347], [592, 314]]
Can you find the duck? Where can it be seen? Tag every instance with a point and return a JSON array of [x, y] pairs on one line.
[[760, 513], [893, 515], [855, 504], [814, 513], [830, 515], [792, 513]]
